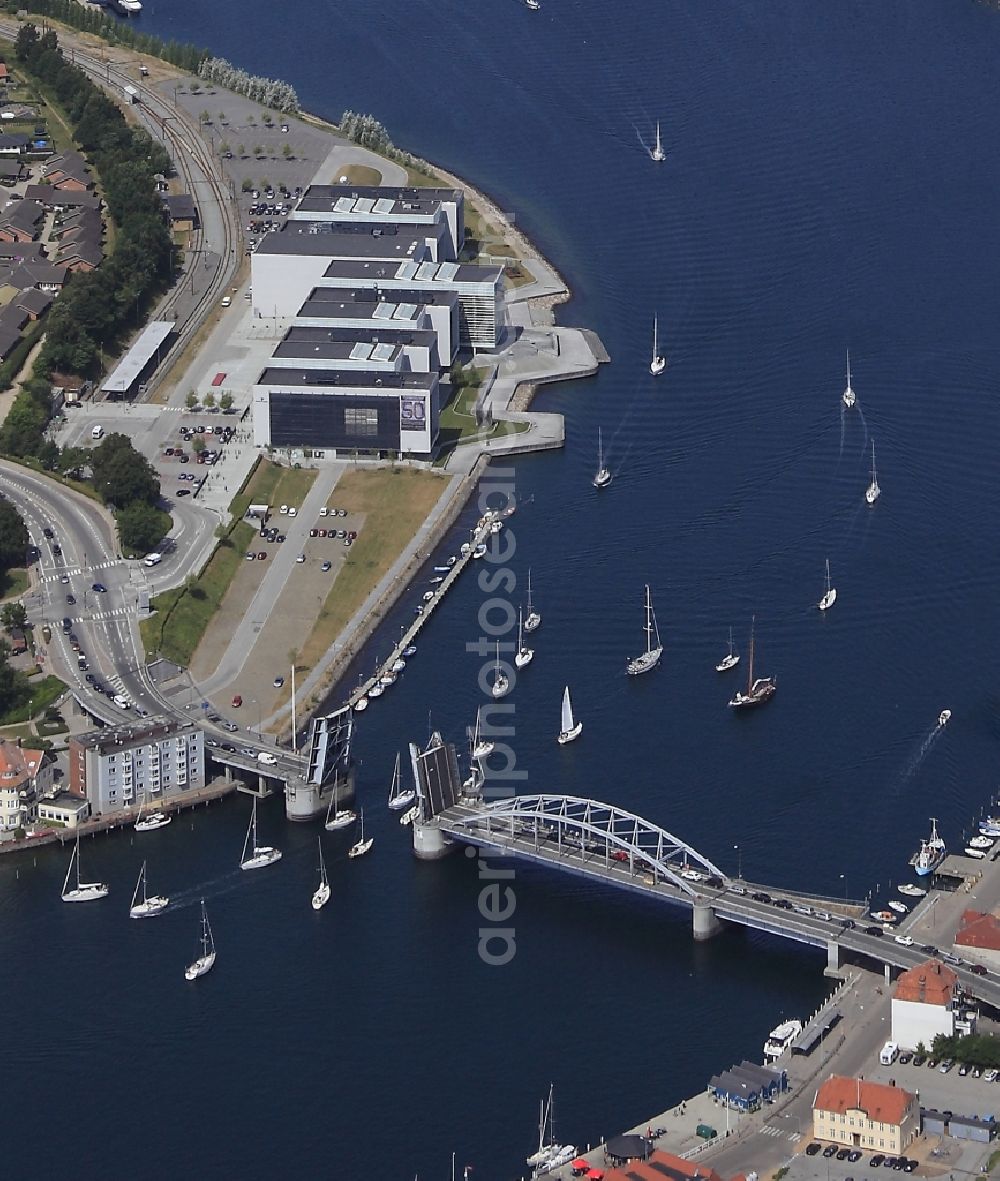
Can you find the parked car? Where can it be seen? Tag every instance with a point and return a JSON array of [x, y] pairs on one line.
[[325, 567], [853, 1155], [945, 1066], [237, 701], [919, 1059], [261, 555], [843, 1154], [812, 1149], [830, 1150], [278, 682], [979, 969]]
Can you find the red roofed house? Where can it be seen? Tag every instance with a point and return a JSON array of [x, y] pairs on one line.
[[861, 1114], [662, 1166], [923, 1004], [979, 938], [24, 775]]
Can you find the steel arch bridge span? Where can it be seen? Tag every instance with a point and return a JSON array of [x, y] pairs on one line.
[[588, 827]]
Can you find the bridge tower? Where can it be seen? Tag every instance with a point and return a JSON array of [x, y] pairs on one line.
[[331, 768], [438, 785]]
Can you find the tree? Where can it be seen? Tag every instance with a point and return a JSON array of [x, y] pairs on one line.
[[224, 149], [226, 401], [141, 526], [268, 119], [13, 536], [247, 185], [258, 151], [286, 151], [190, 399], [14, 689], [205, 119], [121, 474], [199, 445], [13, 616], [72, 461], [209, 400]]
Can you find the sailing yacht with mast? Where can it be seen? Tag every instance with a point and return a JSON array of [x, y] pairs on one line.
[[758, 691], [501, 682], [830, 595], [532, 621], [549, 1152], [206, 961], [257, 856], [849, 396], [874, 491], [322, 895], [658, 154], [148, 906], [731, 660], [398, 797], [524, 655], [651, 657], [603, 477], [152, 820], [570, 727], [335, 817], [361, 846], [657, 364], [82, 891], [481, 747]]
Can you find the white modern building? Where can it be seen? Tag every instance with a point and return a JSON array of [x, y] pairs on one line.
[[24, 776], [926, 1001], [376, 348], [409, 310]]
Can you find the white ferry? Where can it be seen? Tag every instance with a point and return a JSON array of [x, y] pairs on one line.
[[780, 1038]]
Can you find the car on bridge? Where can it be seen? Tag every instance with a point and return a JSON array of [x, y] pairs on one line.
[[979, 969], [876, 931], [267, 758]]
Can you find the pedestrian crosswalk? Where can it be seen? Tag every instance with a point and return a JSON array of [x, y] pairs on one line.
[[75, 571], [771, 1130]]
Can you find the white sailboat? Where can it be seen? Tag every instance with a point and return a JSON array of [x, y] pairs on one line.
[[335, 818], [830, 595], [603, 477], [849, 395], [570, 728], [874, 491], [501, 682], [731, 660], [524, 655], [206, 961], [481, 747], [549, 1154], [657, 364], [322, 895], [532, 5], [148, 906], [361, 846], [151, 820], [658, 154], [82, 891], [651, 657], [257, 856], [532, 621], [398, 797]]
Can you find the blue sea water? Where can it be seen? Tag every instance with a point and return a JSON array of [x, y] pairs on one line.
[[831, 181]]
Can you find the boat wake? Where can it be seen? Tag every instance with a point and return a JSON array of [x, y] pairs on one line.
[[925, 749]]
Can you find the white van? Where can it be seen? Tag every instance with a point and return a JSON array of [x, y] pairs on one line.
[[888, 1054], [97, 432], [152, 559], [121, 701]]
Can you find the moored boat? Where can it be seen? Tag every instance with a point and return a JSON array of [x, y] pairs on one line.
[[780, 1038], [930, 854], [978, 854], [911, 891], [899, 907], [883, 916]]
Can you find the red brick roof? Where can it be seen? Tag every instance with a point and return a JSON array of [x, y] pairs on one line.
[[932, 983], [882, 1104], [662, 1166], [18, 763], [979, 930]]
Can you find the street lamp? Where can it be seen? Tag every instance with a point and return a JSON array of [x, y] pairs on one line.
[[844, 880], [739, 863]]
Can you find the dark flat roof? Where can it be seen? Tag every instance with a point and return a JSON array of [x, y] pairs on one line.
[[350, 268], [323, 198], [388, 333], [363, 295], [335, 350], [334, 377], [295, 238]]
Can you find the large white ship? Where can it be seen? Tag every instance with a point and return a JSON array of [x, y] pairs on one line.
[[780, 1038]]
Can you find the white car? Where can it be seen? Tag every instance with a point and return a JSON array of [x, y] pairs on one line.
[[292, 510], [267, 758], [301, 558], [323, 511], [905, 940], [283, 510]]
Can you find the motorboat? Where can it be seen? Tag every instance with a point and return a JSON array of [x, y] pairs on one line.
[[206, 961], [658, 154], [409, 815], [978, 854], [731, 660], [451, 561], [930, 854], [570, 729], [436, 580], [399, 797], [496, 526], [649, 659], [532, 619], [501, 682], [322, 895], [883, 916], [849, 396], [911, 891], [149, 905], [524, 655], [982, 842], [780, 1038], [82, 891], [376, 690], [657, 363], [465, 548], [361, 705], [410, 651], [398, 666], [758, 691], [532, 5], [898, 907], [387, 679], [830, 594], [874, 491], [944, 717], [479, 551], [603, 477], [429, 595], [257, 856], [361, 846]]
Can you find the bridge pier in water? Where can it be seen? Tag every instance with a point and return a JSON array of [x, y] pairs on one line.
[[832, 959], [430, 843], [704, 921]]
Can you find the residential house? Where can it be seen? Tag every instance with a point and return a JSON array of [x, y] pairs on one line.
[[20, 221], [860, 1114], [64, 809], [12, 170], [34, 301], [14, 143], [62, 199], [978, 938], [17, 252], [45, 275], [68, 171], [25, 775], [80, 256], [924, 1002]]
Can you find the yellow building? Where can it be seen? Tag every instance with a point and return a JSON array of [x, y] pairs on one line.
[[860, 1114]]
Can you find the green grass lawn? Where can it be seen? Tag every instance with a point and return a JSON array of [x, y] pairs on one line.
[[44, 691], [13, 583]]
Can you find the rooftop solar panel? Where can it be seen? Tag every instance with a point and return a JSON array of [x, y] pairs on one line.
[[383, 352], [426, 271], [447, 271], [405, 311], [384, 311], [361, 352], [364, 205], [384, 205], [407, 269]]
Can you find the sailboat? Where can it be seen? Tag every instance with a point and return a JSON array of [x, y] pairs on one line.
[[849, 395], [148, 906], [82, 891], [657, 364], [570, 728], [830, 595], [151, 821], [658, 154], [731, 660], [549, 1152], [874, 491], [651, 657], [603, 477], [322, 895], [257, 856], [501, 682], [532, 621], [335, 818], [398, 798], [758, 691], [361, 846], [524, 655], [532, 5], [481, 747], [206, 961]]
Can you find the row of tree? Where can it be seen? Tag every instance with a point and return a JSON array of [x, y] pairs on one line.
[[367, 131], [91, 19], [269, 92], [13, 537], [979, 1049], [130, 487]]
